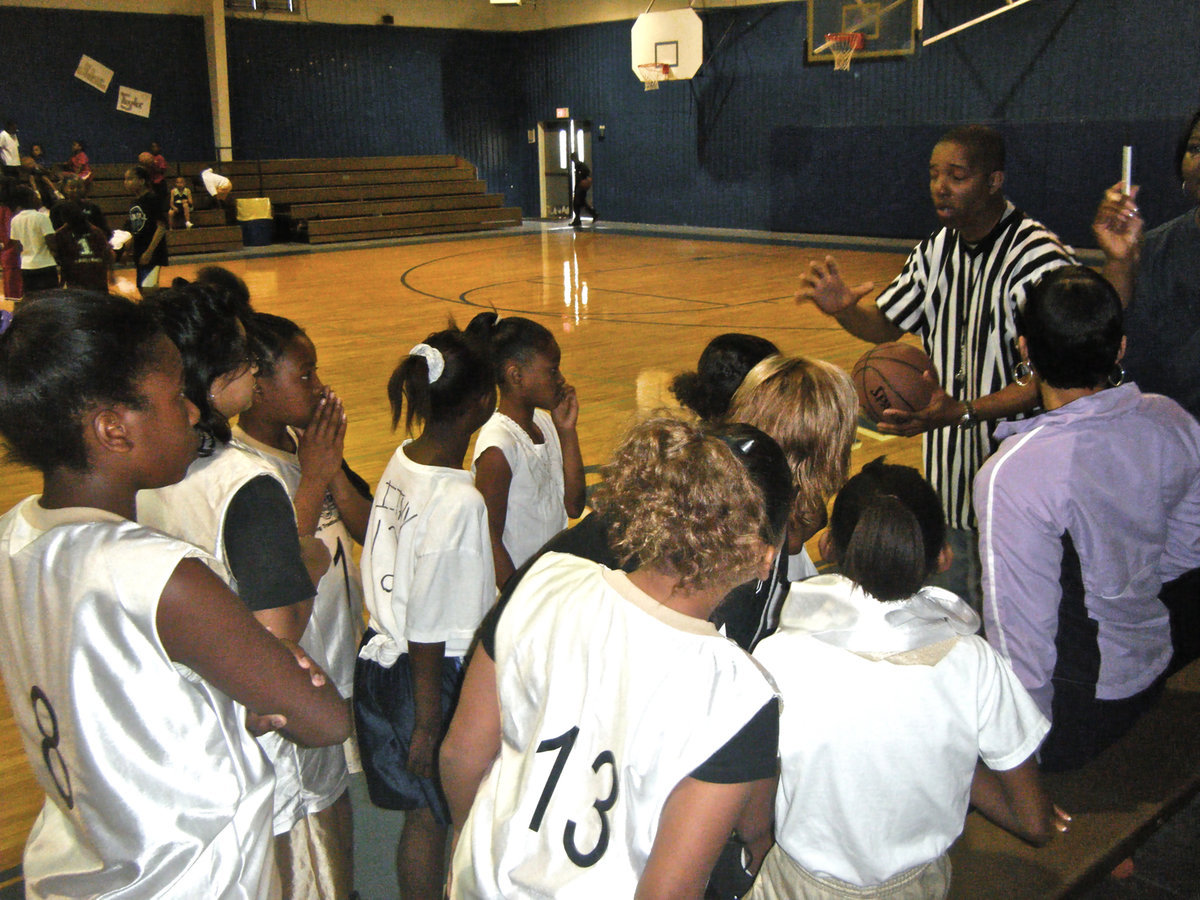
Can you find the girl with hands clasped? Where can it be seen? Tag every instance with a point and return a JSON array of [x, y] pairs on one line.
[[428, 579], [527, 460], [297, 425], [129, 663]]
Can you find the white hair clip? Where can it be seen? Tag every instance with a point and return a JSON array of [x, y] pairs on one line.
[[433, 360]]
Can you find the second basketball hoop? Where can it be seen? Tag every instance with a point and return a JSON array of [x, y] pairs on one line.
[[843, 45]]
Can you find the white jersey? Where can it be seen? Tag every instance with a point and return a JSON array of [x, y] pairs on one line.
[[153, 786], [336, 624], [536, 511], [427, 565], [607, 700], [214, 181], [886, 708], [306, 779]]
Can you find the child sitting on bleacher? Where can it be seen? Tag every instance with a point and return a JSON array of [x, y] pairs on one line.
[[181, 204], [889, 702]]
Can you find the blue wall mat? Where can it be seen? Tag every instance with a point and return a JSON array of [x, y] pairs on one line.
[[327, 90], [162, 55]]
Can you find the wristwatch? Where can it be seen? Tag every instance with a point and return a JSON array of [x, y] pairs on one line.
[[969, 418]]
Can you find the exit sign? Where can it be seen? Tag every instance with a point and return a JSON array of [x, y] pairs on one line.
[[563, 112]]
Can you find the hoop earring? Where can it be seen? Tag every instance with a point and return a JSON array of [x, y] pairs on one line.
[[1023, 373], [1117, 378]]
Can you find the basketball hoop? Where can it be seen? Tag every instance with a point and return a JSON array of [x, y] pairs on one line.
[[653, 73], [843, 46]]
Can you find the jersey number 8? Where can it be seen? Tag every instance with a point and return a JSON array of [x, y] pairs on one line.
[[50, 738]]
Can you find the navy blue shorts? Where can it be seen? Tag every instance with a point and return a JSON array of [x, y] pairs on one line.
[[384, 712]]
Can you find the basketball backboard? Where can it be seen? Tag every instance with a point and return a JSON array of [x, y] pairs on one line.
[[887, 26], [673, 38]]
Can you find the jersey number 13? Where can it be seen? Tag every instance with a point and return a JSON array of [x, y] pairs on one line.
[[563, 744]]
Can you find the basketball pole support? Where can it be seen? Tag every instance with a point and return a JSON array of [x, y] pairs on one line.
[[1011, 5]]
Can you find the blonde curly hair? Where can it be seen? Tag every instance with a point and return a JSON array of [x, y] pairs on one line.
[[810, 408], [678, 499]]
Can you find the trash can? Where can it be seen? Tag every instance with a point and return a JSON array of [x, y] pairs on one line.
[[258, 225]]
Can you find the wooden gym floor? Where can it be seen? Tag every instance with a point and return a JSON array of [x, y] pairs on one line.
[[629, 311]]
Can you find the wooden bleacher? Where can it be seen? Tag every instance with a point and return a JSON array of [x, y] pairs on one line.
[[326, 200], [211, 234], [1116, 802], [349, 199]]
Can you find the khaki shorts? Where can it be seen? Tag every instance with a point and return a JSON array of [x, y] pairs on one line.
[[781, 878]]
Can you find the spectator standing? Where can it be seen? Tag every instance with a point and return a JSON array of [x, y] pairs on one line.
[[81, 250], [75, 189], [148, 224], [10, 250], [10, 149], [158, 172], [30, 226]]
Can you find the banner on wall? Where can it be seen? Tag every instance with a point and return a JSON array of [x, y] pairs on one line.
[[135, 103], [94, 73]]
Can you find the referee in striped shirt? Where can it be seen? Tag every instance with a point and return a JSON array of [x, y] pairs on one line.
[[959, 291]]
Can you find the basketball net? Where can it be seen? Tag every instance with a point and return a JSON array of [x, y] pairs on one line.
[[843, 46], [653, 73]]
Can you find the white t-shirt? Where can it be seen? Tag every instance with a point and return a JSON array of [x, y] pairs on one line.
[[30, 227], [886, 708], [608, 700], [536, 511], [427, 568], [153, 786], [10, 149], [213, 181]]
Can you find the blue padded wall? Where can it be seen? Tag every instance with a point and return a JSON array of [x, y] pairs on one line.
[[328, 90], [162, 55]]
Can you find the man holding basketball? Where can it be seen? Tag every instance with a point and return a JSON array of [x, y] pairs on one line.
[[959, 291]]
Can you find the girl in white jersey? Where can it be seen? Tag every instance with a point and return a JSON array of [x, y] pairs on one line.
[[428, 581], [895, 714], [126, 659], [235, 506], [527, 461], [298, 426], [608, 739]]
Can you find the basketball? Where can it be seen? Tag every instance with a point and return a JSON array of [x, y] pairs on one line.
[[889, 376], [145, 159]]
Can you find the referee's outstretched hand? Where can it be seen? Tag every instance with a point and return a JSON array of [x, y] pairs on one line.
[[823, 285]]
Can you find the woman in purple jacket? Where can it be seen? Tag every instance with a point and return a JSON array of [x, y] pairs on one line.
[[1084, 512]]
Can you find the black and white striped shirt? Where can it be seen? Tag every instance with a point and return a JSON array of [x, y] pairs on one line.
[[962, 299]]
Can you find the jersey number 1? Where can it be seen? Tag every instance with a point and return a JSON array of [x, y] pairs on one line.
[[563, 744]]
